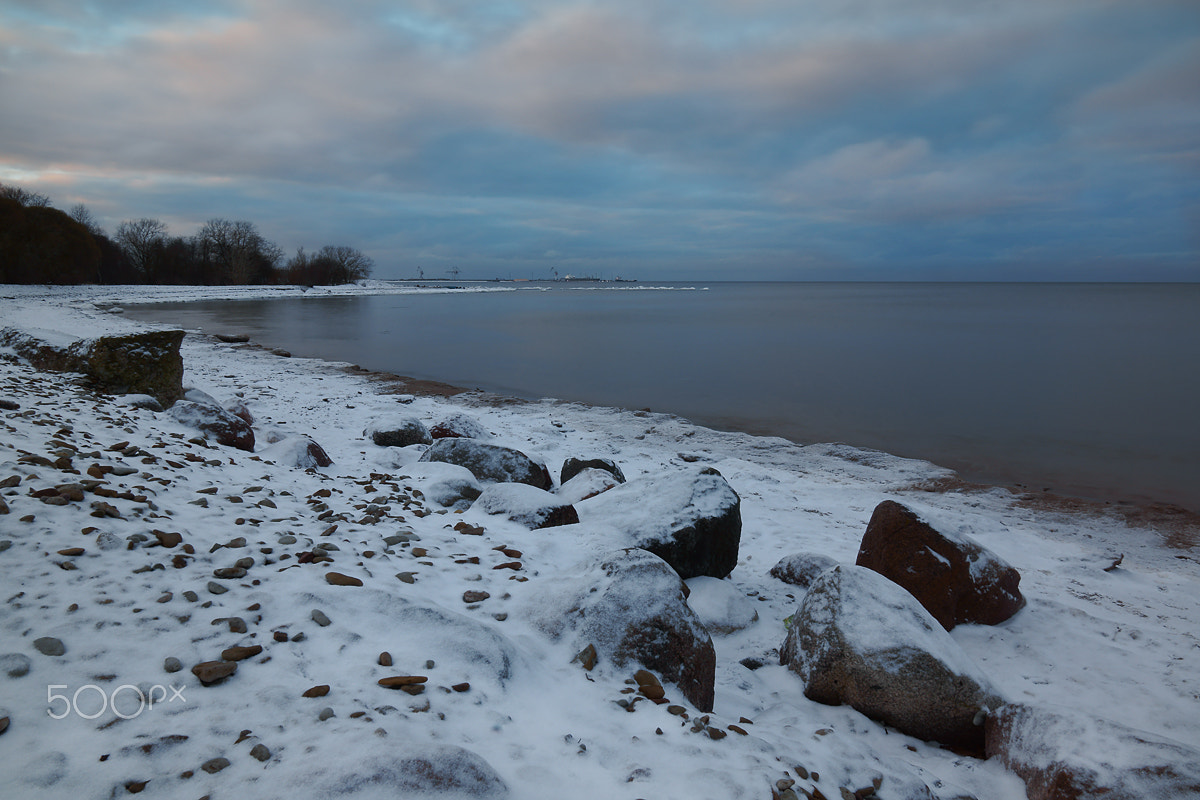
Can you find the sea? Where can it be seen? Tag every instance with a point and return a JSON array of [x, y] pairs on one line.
[[1088, 390]]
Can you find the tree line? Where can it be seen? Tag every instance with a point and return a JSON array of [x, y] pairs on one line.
[[43, 244]]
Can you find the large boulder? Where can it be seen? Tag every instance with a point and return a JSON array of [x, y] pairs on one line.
[[953, 576], [632, 608], [691, 519], [216, 423], [719, 605], [397, 431], [801, 569], [490, 463], [573, 466], [448, 485], [861, 640], [459, 426], [298, 451], [586, 484], [137, 363], [526, 505], [409, 769], [1068, 756]]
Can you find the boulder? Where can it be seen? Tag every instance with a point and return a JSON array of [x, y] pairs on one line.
[[447, 485], [526, 505], [719, 605], [1063, 755], [459, 426], [861, 640], [954, 577], [630, 607], [586, 484], [573, 466], [490, 463], [238, 409], [397, 431], [136, 363], [691, 519], [216, 423], [299, 452], [801, 569], [408, 769]]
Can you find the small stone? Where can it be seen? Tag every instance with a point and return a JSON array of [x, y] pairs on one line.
[[279, 636], [240, 652], [245, 562], [677, 711], [406, 577], [49, 646], [3, 725], [172, 664], [385, 659], [260, 752], [400, 681], [71, 551], [317, 691], [236, 624], [190, 596], [216, 588], [4, 543], [215, 765], [325, 713], [165, 598], [461, 687], [15, 665], [716, 733], [338, 579], [587, 657], [229, 573], [168, 539], [211, 672], [473, 596], [287, 538], [319, 617]]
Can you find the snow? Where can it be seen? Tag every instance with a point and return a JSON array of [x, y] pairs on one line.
[[1120, 644]]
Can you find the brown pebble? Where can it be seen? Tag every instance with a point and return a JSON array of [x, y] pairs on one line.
[[385, 659], [71, 551], [211, 672], [513, 565], [317, 691], [738, 729], [338, 579], [473, 596], [461, 687], [399, 681], [135, 787], [3, 724], [241, 653], [280, 636]]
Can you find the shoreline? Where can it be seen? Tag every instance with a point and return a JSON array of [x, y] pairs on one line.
[[1112, 644]]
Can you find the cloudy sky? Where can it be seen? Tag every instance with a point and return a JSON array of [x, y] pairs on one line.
[[734, 139]]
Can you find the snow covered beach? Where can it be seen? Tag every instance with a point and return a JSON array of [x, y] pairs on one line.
[[506, 710]]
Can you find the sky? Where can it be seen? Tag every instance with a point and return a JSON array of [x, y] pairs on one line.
[[647, 139]]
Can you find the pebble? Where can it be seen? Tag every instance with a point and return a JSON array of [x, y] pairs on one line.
[[15, 665], [260, 752], [211, 672], [108, 541], [385, 659], [172, 664], [240, 652], [319, 617], [49, 646], [338, 579], [473, 596], [3, 724], [229, 573], [5, 544], [190, 596], [325, 713], [317, 691], [406, 577], [287, 538], [215, 765], [216, 588], [400, 681], [279, 636]]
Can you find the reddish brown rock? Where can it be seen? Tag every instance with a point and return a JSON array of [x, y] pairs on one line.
[[955, 578], [400, 681], [1068, 756], [211, 672], [317, 691], [241, 653], [338, 579]]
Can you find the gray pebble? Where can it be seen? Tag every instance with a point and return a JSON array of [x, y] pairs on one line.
[[287, 538], [326, 546], [216, 588], [190, 596], [15, 665], [5, 544], [246, 562], [172, 664], [260, 752], [325, 714], [319, 617], [406, 577], [214, 765], [108, 540], [49, 646]]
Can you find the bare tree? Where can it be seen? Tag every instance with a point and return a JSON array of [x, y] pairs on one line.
[[24, 196], [83, 215], [350, 263], [142, 240], [235, 252]]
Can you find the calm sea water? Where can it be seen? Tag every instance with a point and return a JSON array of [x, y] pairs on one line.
[[1088, 389]]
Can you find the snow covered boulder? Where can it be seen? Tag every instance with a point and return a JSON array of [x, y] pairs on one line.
[[954, 577], [631, 607], [397, 431], [300, 452], [409, 769], [586, 484], [691, 519], [526, 505], [1067, 756], [801, 569], [861, 640], [459, 426], [573, 466], [136, 363], [490, 463], [448, 485], [214, 422], [719, 605]]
